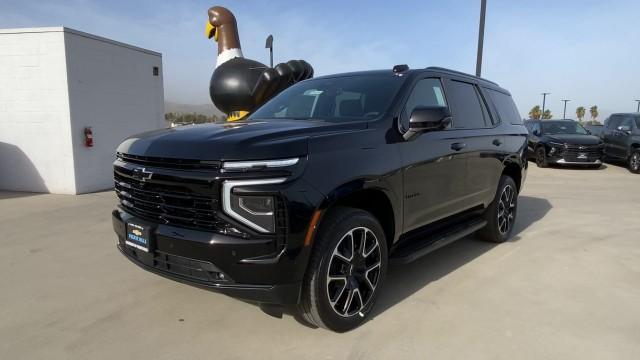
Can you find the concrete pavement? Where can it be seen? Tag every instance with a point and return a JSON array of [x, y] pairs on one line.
[[566, 287]]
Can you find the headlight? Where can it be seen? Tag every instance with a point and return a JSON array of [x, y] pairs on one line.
[[555, 148], [258, 164], [255, 211]]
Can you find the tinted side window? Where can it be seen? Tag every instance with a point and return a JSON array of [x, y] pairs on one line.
[[465, 105], [637, 122], [427, 92], [626, 121], [506, 108], [536, 127], [614, 122]]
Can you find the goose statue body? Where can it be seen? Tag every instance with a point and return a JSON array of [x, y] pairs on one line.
[[238, 85]]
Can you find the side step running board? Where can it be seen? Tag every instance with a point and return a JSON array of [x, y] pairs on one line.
[[419, 248]]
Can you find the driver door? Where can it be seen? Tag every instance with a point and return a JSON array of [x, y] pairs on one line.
[[434, 174]]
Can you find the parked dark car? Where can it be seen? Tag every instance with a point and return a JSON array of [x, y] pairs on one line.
[[595, 130], [308, 200], [622, 139], [563, 142]]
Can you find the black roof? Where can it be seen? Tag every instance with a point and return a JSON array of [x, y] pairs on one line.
[[413, 71], [629, 113]]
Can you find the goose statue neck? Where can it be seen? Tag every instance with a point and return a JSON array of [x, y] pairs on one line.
[[227, 55]]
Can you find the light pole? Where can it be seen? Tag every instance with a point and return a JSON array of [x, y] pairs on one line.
[[564, 113], [638, 109], [269, 45], [483, 11], [544, 99]]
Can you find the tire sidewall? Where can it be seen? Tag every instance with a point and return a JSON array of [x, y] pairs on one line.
[[332, 236], [541, 163], [491, 231], [633, 153]]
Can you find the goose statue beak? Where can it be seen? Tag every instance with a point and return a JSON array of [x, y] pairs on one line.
[[211, 31]]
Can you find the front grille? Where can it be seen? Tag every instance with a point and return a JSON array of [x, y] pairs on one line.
[[167, 199], [572, 153], [170, 163]]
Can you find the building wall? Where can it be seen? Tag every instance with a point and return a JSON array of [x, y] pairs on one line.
[[113, 90], [34, 113], [53, 83]]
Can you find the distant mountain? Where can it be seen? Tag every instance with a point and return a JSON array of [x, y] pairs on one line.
[[204, 109]]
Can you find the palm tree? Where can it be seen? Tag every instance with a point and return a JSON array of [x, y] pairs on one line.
[[535, 112], [594, 112], [547, 115], [580, 111]]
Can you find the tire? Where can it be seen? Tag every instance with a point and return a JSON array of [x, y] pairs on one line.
[[634, 161], [501, 213], [541, 157], [324, 300]]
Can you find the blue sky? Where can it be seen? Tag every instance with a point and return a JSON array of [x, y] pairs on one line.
[[587, 51]]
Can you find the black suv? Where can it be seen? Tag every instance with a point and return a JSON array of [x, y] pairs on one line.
[[308, 200], [563, 142], [622, 139]]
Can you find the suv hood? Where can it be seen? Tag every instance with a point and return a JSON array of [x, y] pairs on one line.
[[243, 140], [574, 139]]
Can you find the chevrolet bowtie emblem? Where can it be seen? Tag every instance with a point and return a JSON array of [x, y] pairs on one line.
[[136, 232], [142, 174]]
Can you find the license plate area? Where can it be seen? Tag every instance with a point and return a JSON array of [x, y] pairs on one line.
[[138, 236]]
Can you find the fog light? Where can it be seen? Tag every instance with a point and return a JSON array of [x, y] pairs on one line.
[[257, 205]]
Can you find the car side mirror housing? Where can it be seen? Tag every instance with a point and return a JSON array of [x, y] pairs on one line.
[[428, 118], [535, 132], [624, 128]]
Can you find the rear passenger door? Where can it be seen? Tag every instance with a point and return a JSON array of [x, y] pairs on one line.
[[480, 145]]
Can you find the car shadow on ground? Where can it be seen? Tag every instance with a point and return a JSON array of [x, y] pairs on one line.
[[404, 280]]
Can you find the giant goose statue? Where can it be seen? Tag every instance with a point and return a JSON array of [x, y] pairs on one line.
[[239, 86]]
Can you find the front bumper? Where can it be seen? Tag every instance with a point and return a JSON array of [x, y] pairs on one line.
[[216, 262], [565, 162]]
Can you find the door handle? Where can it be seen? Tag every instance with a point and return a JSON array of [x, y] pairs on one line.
[[497, 142], [458, 146]]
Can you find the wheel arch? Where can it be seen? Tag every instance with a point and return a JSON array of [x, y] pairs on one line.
[[514, 171], [376, 200]]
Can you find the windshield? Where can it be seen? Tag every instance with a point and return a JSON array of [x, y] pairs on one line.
[[562, 127], [346, 98]]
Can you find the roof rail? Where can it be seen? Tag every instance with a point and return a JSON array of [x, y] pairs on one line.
[[436, 68]]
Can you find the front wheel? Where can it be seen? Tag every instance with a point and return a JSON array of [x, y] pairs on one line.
[[634, 161], [541, 157], [501, 214], [346, 270]]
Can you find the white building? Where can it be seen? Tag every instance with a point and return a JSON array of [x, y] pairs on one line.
[[54, 83]]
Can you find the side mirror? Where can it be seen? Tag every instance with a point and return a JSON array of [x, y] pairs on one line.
[[428, 118], [535, 132], [624, 128]]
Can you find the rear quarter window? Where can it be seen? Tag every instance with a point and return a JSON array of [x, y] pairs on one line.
[[506, 108]]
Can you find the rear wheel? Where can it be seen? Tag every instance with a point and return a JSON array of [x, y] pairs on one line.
[[501, 214], [541, 157], [346, 270], [634, 161]]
